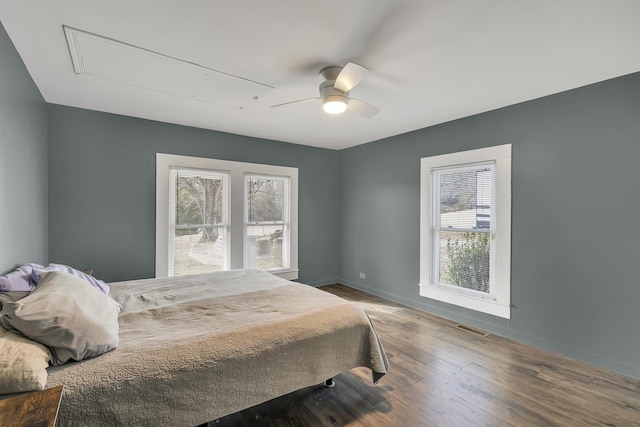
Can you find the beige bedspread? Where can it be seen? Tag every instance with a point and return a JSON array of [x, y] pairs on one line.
[[195, 348]]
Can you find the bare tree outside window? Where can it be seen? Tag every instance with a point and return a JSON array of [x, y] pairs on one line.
[[198, 201]]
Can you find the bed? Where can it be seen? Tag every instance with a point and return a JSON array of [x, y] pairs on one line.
[[196, 348]]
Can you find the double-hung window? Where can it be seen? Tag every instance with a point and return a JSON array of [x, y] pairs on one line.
[[214, 215], [465, 229]]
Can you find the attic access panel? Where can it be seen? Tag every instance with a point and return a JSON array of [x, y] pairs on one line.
[[115, 61]]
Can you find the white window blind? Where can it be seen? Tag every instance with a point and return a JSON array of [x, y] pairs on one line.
[[462, 227]]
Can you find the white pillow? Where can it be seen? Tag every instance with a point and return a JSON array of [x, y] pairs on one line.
[[23, 363], [72, 318]]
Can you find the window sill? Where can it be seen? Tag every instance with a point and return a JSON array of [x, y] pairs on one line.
[[285, 274], [493, 307]]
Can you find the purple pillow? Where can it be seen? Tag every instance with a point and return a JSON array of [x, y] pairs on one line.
[[96, 283], [19, 279]]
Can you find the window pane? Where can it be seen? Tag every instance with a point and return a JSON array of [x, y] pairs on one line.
[[198, 199], [265, 199], [465, 198], [264, 246], [465, 260], [198, 250]]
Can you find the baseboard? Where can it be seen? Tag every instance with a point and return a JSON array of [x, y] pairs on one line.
[[322, 282]]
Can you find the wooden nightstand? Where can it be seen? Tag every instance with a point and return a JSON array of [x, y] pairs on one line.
[[33, 409]]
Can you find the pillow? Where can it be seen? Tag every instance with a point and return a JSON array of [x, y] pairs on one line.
[[13, 296], [99, 284], [73, 320], [23, 363], [19, 279]]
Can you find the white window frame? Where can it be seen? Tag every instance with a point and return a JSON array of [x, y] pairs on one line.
[[237, 172], [498, 303]]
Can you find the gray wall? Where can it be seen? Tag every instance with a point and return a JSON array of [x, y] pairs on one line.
[[23, 167], [102, 190], [575, 206]]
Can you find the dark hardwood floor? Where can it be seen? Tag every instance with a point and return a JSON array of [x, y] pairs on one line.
[[441, 375]]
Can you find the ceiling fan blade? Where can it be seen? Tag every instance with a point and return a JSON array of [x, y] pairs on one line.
[[300, 101], [349, 77], [360, 107]]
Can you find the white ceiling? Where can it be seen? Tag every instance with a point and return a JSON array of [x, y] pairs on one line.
[[429, 61]]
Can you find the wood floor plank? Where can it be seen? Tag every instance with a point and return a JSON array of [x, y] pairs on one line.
[[440, 375]]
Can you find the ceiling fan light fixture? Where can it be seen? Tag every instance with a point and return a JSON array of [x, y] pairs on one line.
[[335, 89], [334, 104]]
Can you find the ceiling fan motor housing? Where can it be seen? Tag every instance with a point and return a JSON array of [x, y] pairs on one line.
[[329, 93], [330, 73]]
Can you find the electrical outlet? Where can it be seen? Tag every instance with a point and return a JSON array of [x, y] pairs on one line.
[[363, 276]]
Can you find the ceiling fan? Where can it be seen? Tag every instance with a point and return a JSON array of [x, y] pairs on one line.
[[334, 91]]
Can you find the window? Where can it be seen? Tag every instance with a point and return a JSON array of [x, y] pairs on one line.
[[216, 215], [466, 229]]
